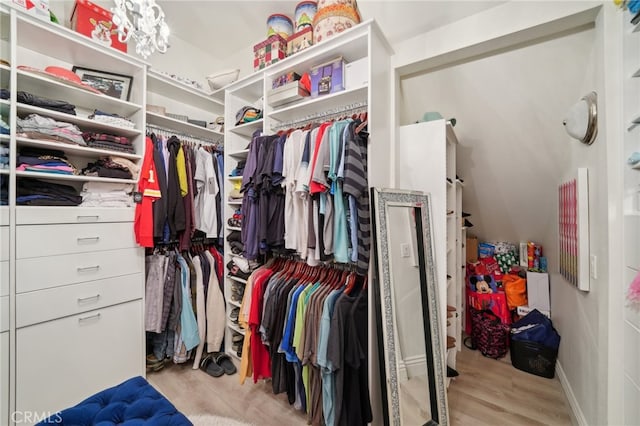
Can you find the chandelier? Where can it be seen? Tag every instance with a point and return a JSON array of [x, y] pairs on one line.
[[142, 20]]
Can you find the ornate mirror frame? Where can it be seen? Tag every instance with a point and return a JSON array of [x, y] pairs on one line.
[[420, 205]]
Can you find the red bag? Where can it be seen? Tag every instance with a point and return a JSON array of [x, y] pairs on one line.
[[495, 302]]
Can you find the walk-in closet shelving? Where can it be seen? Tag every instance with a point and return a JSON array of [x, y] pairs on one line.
[[89, 309], [428, 156], [631, 231], [364, 41]]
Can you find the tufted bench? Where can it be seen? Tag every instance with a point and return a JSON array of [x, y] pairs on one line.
[[133, 402]]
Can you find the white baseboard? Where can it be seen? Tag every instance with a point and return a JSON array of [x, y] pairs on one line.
[[577, 416]]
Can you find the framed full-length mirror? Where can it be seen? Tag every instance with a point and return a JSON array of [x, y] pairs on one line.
[[412, 365]]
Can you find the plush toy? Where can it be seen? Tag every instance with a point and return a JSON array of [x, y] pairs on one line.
[[483, 284]]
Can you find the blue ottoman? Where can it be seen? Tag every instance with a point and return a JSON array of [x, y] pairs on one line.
[[133, 402]]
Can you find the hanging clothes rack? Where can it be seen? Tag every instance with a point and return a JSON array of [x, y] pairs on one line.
[[327, 115], [166, 132]]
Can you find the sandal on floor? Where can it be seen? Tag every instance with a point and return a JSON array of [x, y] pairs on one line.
[[225, 363], [209, 366]]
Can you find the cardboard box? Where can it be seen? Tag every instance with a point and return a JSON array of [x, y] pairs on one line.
[[269, 52], [472, 248], [95, 22], [356, 73], [37, 8], [327, 78], [300, 40], [525, 309], [283, 79], [538, 291]]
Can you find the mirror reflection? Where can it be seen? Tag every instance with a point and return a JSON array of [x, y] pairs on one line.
[[411, 355]]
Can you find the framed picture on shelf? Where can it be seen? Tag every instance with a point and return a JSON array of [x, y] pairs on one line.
[[111, 84]]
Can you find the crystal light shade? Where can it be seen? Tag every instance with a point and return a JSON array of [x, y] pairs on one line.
[[144, 21]]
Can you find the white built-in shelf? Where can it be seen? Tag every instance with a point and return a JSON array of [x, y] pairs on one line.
[[322, 103], [83, 123], [77, 150], [5, 24], [4, 171], [72, 47], [235, 328], [235, 178], [249, 89], [240, 154], [72, 178], [5, 74], [183, 93], [218, 94], [182, 126], [233, 303], [40, 85], [237, 279], [234, 228], [4, 109], [451, 134], [247, 129]]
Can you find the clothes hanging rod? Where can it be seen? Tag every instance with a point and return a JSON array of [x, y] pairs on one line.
[[324, 115], [172, 132]]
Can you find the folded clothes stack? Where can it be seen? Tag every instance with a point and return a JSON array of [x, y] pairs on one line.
[[239, 170], [235, 242], [34, 192], [44, 161], [35, 126], [51, 104], [4, 190], [108, 141], [103, 194], [4, 157], [4, 127], [112, 167], [111, 119]]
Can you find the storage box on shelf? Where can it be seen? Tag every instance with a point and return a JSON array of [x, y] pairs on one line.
[[89, 309]]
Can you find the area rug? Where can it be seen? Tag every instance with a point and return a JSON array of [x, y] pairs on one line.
[[210, 420]]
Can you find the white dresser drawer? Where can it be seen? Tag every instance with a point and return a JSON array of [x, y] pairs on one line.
[[4, 215], [4, 313], [44, 305], [4, 243], [60, 363], [52, 240], [53, 271], [27, 215], [4, 278], [4, 377]]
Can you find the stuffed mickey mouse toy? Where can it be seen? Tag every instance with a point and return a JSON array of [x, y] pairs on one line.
[[483, 284]]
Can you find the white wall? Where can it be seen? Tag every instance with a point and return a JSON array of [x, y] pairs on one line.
[[513, 153]]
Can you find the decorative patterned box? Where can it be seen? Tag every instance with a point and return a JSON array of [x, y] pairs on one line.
[[95, 22], [327, 78], [300, 40], [269, 52]]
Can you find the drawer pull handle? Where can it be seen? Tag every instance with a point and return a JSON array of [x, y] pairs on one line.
[[89, 268], [90, 317], [82, 239], [87, 218], [84, 299]]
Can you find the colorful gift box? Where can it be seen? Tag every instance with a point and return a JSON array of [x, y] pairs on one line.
[[327, 78], [269, 52], [300, 40], [95, 22], [37, 8]]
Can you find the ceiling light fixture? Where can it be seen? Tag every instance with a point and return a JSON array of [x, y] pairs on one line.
[[144, 21]]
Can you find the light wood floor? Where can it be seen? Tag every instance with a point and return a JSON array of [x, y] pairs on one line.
[[487, 392]]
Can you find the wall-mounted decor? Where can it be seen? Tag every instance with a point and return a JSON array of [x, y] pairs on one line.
[[115, 85], [573, 229]]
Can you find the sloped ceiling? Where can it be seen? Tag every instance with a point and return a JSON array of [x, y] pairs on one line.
[[222, 28]]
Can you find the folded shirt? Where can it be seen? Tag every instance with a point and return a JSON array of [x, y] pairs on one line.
[[112, 146], [52, 104], [49, 126], [40, 193]]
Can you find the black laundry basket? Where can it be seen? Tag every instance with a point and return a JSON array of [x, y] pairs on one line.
[[534, 345], [534, 358]]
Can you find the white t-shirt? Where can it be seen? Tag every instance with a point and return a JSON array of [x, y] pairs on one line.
[[205, 200]]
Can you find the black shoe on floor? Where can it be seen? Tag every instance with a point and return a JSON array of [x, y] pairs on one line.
[[451, 372], [467, 224], [465, 214]]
